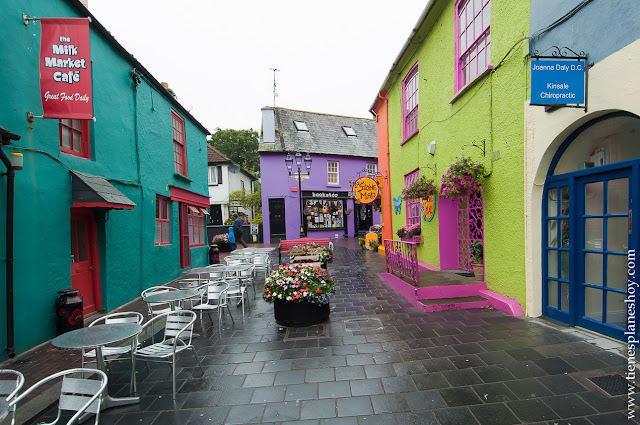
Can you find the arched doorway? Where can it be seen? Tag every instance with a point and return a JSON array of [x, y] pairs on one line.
[[589, 229]]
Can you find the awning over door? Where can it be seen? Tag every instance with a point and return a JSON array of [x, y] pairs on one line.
[[188, 197], [97, 192]]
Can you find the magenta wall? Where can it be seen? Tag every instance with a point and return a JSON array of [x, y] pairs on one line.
[[276, 183], [448, 229]]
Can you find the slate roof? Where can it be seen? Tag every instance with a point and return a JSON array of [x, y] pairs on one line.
[[325, 135], [88, 188]]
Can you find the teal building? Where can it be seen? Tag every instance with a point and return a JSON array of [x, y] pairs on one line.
[[110, 206]]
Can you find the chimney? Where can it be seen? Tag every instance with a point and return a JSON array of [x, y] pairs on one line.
[[85, 3], [165, 85]]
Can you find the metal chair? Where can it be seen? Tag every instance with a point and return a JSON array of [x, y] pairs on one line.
[[9, 387], [214, 298], [261, 264], [158, 308], [77, 394], [237, 291], [113, 353], [178, 333]]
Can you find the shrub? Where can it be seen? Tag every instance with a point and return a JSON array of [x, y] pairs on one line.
[[477, 251]]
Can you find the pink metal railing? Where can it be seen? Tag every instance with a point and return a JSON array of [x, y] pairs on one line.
[[402, 258]]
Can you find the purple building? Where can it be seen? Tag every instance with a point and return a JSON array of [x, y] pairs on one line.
[[341, 150]]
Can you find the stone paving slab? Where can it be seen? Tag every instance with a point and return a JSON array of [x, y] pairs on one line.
[[383, 362]]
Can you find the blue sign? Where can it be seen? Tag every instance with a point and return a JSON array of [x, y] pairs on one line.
[[558, 81]]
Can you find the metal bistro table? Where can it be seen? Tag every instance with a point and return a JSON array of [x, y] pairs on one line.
[[96, 337], [170, 297]]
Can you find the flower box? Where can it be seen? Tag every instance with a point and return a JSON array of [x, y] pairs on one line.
[[414, 239], [289, 313]]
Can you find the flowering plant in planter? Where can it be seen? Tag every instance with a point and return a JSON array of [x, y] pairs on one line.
[[221, 238], [299, 283], [420, 189], [409, 230], [462, 177], [326, 253]]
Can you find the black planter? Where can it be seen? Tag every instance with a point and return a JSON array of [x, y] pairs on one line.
[[224, 247], [300, 313]]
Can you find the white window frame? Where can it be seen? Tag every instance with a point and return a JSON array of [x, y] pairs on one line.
[[213, 175], [331, 172], [372, 166]]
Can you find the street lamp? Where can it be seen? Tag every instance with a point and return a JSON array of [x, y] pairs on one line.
[[299, 162]]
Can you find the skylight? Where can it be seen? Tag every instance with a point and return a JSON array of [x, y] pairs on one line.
[[349, 131], [301, 125]]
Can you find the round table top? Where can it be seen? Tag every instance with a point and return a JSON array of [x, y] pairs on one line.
[[4, 408], [170, 296], [95, 336]]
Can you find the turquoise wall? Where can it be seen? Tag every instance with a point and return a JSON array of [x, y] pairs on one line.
[[131, 142], [490, 109]]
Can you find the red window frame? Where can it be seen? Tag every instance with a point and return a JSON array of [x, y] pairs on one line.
[[197, 230], [179, 145], [413, 207], [410, 103], [163, 211], [78, 137]]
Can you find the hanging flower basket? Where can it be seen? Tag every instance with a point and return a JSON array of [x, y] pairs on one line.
[[420, 189], [463, 177]]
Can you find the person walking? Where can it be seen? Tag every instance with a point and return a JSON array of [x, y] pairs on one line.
[[237, 229]]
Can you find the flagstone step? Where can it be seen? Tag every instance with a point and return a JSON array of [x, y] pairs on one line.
[[457, 303]]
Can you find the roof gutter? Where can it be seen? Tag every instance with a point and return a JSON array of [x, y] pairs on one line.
[[405, 48], [164, 92]]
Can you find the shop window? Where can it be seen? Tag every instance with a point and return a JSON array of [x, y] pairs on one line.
[[74, 137], [179, 144], [473, 40], [410, 98], [197, 230], [413, 207], [162, 236], [323, 214], [333, 172]]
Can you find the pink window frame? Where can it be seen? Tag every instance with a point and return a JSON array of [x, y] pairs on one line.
[[412, 207], [179, 144], [407, 117], [159, 201], [459, 84]]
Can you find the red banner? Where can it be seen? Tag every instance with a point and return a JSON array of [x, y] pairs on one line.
[[65, 68]]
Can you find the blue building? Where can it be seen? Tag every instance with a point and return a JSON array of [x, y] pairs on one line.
[[582, 169], [109, 206]]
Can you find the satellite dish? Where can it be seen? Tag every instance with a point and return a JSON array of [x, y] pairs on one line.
[[234, 168]]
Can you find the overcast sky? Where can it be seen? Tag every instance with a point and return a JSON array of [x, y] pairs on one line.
[[333, 55]]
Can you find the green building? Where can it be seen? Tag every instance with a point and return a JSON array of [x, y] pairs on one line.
[[110, 206], [458, 89]]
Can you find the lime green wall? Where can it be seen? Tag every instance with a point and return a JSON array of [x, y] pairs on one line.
[[490, 109]]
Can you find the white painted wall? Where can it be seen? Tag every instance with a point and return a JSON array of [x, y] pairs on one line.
[[219, 194], [613, 86]]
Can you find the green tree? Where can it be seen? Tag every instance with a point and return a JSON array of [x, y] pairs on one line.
[[246, 200], [240, 146]]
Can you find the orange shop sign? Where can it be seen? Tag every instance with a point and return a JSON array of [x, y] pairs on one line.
[[365, 190]]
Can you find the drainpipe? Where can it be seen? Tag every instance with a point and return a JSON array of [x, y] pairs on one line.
[[11, 175]]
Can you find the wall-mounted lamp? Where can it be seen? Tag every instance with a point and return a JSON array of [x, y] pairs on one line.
[[16, 160], [431, 148]]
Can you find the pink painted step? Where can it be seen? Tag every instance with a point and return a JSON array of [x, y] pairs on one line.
[[457, 303]]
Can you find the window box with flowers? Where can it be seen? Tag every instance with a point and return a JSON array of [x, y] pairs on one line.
[[463, 177], [300, 294], [410, 233]]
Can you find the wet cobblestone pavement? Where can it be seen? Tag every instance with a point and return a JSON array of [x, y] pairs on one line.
[[377, 361]]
